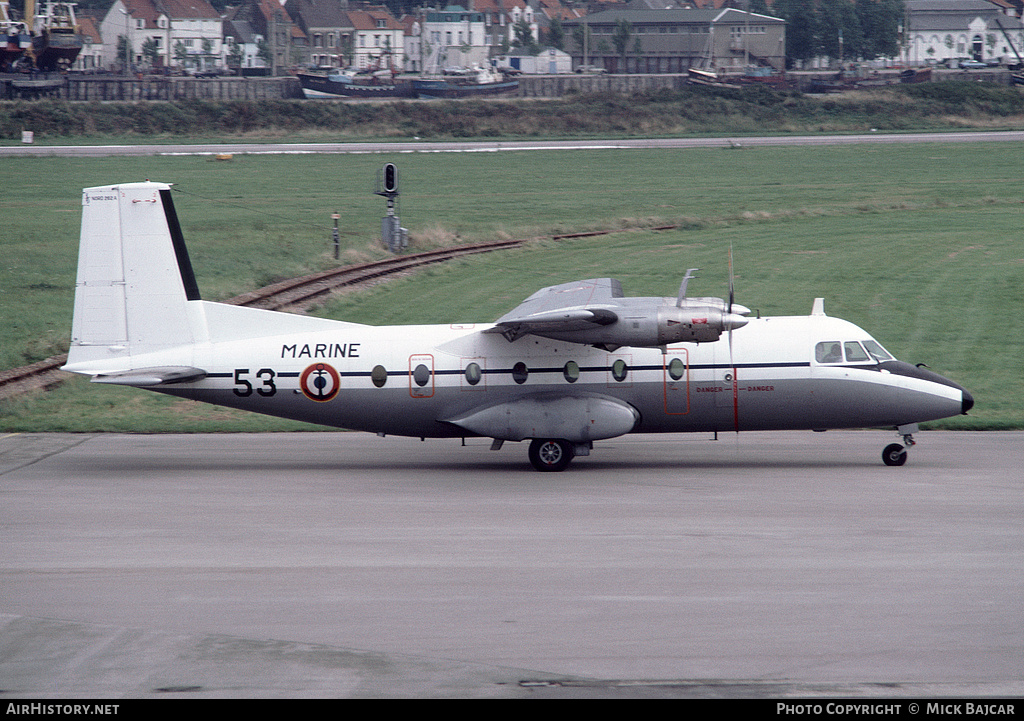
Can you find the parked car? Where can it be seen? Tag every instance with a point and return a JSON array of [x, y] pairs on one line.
[[209, 72], [970, 64], [591, 70]]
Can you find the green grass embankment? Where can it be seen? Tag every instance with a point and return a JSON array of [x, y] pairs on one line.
[[697, 110]]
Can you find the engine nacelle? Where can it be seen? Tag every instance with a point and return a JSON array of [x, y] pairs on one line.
[[652, 325]]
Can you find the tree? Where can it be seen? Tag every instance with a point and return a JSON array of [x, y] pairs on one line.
[[801, 29], [839, 31], [150, 51], [347, 50], [556, 34], [869, 28], [124, 52], [522, 35], [879, 22], [180, 53], [621, 37], [584, 42], [234, 54]]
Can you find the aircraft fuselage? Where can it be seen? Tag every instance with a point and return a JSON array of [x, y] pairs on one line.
[[411, 380]]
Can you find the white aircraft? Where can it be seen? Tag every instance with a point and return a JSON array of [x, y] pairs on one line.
[[573, 364]]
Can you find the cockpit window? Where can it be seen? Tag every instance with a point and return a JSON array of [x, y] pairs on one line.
[[877, 351], [854, 352], [829, 352], [851, 351]]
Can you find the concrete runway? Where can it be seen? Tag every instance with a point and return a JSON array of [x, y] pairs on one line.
[[476, 146], [347, 565]]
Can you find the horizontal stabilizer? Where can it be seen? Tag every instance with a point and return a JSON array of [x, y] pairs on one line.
[[149, 377]]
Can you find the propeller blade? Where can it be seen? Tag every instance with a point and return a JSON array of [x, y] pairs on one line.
[[732, 285], [732, 361]]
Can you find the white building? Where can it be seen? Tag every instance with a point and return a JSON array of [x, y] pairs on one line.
[[91, 56], [181, 33], [549, 61], [379, 39], [457, 35], [953, 30]]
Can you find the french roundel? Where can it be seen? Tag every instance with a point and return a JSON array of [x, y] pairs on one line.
[[319, 382]]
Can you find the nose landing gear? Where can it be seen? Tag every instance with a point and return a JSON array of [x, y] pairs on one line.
[[895, 454]]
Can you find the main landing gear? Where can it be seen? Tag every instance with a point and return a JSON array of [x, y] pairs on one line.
[[551, 454], [896, 454]]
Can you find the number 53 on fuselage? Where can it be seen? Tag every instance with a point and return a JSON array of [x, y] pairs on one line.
[[573, 364]]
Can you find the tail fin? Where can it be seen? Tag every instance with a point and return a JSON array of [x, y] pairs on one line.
[[138, 316], [134, 276]]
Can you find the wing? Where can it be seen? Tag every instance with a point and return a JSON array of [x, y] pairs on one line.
[[595, 312], [569, 307]]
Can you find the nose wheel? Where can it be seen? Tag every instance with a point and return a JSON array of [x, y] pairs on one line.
[[550, 454], [894, 454]]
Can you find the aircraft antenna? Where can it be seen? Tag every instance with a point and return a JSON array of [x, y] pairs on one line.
[[682, 286]]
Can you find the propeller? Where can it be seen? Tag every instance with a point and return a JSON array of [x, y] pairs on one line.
[[732, 362]]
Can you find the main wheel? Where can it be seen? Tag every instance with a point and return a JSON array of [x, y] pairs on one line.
[[550, 454], [894, 455]]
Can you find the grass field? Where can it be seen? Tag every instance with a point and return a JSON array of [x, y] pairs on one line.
[[919, 244]]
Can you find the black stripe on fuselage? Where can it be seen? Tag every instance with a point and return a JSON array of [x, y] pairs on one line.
[[551, 369]]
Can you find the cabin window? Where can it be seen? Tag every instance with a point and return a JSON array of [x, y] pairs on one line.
[[473, 374], [421, 374], [676, 369], [379, 376], [854, 352], [571, 371], [619, 370], [520, 373]]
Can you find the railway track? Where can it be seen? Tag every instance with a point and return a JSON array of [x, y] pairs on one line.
[[298, 293], [291, 295]]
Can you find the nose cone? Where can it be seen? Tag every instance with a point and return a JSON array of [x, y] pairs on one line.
[[968, 402], [912, 371]]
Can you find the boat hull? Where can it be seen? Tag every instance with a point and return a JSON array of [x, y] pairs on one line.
[[436, 89], [13, 46], [321, 86], [56, 50]]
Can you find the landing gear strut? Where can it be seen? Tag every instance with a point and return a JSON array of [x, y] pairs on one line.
[[551, 454]]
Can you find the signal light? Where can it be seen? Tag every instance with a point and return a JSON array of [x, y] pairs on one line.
[[390, 178]]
